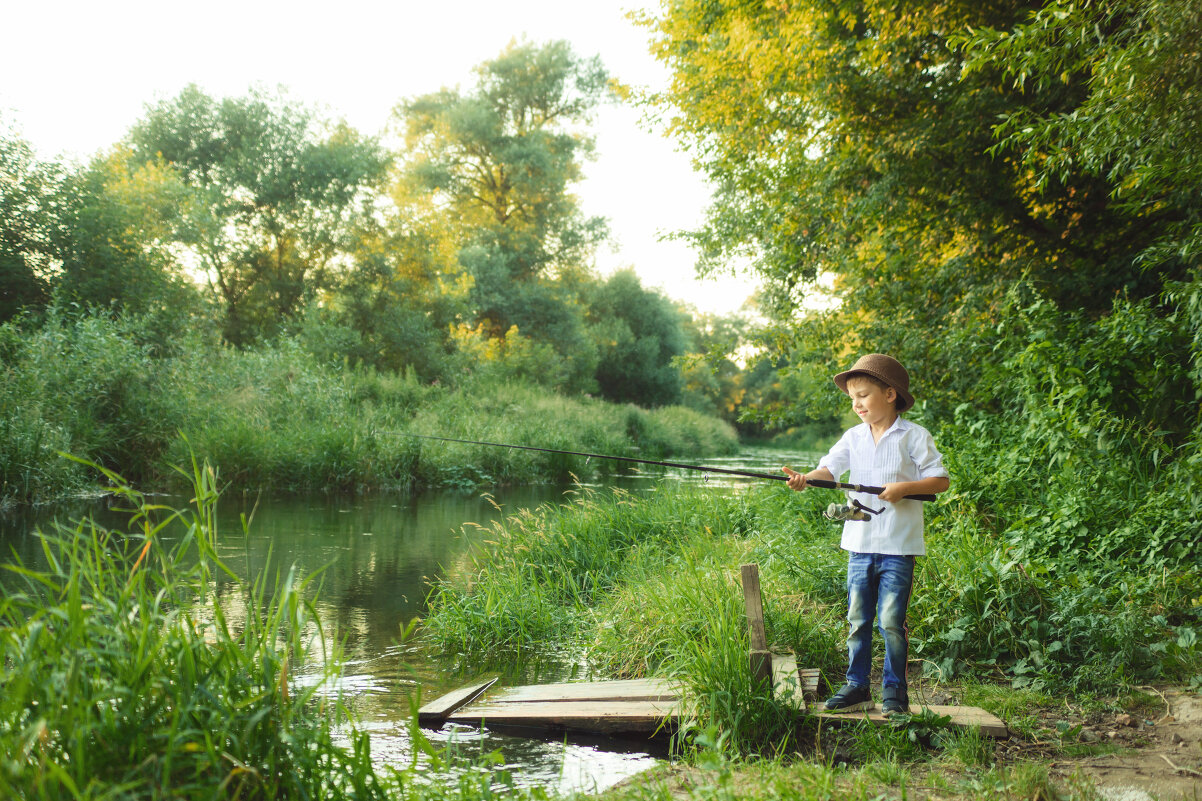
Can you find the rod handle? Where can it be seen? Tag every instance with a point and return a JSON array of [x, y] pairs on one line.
[[824, 484]]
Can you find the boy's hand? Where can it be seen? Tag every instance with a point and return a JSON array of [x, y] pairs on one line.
[[893, 492], [924, 486], [796, 481]]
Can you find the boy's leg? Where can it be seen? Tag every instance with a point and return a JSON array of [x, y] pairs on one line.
[[861, 608], [895, 579], [856, 694]]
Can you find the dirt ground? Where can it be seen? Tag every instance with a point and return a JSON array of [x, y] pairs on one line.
[[1152, 752], [1158, 756]]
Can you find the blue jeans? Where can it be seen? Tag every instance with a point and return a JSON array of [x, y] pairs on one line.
[[878, 585]]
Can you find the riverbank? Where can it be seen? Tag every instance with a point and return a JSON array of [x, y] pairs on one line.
[[278, 417], [649, 586], [1138, 747], [634, 585]]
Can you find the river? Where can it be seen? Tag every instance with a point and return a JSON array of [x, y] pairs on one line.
[[376, 554]]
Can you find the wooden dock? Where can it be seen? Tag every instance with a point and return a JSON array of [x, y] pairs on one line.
[[646, 707], [634, 706]]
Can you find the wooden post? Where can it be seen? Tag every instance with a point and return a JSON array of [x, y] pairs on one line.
[[761, 659]]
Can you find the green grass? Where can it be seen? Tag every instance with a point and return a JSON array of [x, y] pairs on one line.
[[649, 586], [135, 668], [276, 416]]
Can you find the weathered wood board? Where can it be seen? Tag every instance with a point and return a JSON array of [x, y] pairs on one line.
[[961, 717], [639, 706], [437, 710], [792, 686], [606, 717], [621, 690], [634, 706]]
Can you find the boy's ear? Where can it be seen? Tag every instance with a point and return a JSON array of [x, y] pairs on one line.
[[891, 396]]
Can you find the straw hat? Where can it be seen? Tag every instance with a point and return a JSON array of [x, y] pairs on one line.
[[884, 368]]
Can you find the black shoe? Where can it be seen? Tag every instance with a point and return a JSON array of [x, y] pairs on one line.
[[895, 701], [850, 699]]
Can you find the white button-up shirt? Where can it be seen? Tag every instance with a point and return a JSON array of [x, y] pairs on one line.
[[906, 452]]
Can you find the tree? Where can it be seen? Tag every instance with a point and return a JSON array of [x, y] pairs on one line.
[[404, 292], [115, 244], [639, 334], [276, 194], [713, 380], [502, 159], [847, 139], [1139, 124], [29, 225]]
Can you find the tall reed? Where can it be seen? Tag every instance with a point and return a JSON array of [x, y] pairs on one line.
[[138, 667]]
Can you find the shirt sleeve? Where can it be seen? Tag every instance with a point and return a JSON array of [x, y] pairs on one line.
[[838, 460], [926, 457]]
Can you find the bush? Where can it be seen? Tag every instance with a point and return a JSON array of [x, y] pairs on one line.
[[92, 385]]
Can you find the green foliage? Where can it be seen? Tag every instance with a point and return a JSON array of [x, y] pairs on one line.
[[863, 145], [506, 154], [138, 668], [28, 225], [115, 246], [255, 213], [638, 333], [711, 377], [522, 414], [273, 193], [1137, 122], [503, 157], [105, 387], [91, 379], [395, 306], [849, 143]]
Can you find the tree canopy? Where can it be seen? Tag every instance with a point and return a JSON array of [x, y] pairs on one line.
[[28, 197], [502, 158], [464, 252], [275, 197], [929, 156]]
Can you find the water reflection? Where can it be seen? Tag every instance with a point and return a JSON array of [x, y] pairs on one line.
[[372, 558]]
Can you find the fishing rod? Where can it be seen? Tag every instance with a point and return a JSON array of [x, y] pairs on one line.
[[813, 482]]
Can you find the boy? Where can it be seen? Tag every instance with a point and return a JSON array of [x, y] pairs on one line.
[[887, 451]]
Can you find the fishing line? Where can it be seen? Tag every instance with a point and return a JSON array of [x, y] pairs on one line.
[[814, 482]]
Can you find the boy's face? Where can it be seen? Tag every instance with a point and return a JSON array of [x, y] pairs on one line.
[[875, 405]]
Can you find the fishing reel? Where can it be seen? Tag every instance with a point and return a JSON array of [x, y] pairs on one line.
[[852, 510]]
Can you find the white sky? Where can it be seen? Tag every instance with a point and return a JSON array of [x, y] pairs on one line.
[[75, 75]]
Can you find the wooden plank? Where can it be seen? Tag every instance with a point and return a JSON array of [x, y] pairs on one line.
[[437, 711], [621, 690], [607, 717], [760, 659], [785, 665], [787, 684], [761, 665], [755, 607], [809, 682], [962, 717]]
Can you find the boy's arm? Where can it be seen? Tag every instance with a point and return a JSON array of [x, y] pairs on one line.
[[924, 486], [797, 481]]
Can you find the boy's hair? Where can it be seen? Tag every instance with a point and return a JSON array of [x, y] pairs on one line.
[[868, 377]]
